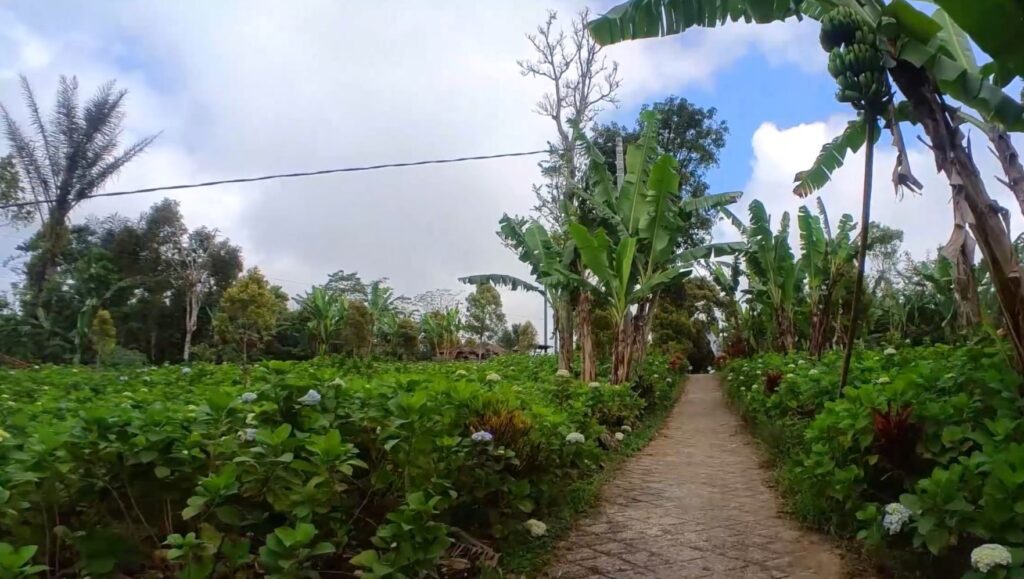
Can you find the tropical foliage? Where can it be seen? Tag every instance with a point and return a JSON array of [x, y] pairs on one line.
[[290, 468]]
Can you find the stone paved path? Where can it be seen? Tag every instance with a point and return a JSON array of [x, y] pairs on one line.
[[694, 503]]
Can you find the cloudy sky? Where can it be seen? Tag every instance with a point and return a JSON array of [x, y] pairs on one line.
[[242, 88]]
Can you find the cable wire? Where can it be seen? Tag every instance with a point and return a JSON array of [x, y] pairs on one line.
[[290, 176]]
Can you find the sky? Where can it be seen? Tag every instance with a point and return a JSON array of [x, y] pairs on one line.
[[244, 88]]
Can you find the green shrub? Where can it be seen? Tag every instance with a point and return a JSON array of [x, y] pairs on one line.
[[937, 429], [295, 466]]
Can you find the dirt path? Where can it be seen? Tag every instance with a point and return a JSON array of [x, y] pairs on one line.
[[694, 503]]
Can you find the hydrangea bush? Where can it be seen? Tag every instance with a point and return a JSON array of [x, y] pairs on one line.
[[292, 467], [921, 456]]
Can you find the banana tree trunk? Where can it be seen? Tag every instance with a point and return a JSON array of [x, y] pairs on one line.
[[563, 326], [588, 370], [820, 326], [960, 251], [1008, 157], [784, 331], [953, 159], [641, 333], [621, 350]]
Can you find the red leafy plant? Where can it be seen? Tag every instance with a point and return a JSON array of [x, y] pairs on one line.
[[896, 437], [772, 381]]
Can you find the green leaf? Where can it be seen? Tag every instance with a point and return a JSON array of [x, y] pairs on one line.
[[831, 158], [652, 18], [162, 472], [996, 26], [956, 39], [367, 558], [501, 280]]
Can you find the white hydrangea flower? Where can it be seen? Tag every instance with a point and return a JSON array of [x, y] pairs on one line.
[[575, 438], [247, 397], [492, 377], [883, 380], [896, 516], [482, 436], [123, 378], [813, 372], [536, 528], [890, 352], [563, 373], [186, 370], [594, 384], [626, 428], [311, 398], [620, 436], [247, 435], [990, 555]]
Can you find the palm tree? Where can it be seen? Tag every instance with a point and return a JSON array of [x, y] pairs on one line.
[[67, 159]]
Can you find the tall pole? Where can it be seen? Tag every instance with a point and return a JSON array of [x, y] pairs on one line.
[[545, 324], [865, 218]]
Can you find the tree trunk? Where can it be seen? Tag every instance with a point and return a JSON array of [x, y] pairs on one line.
[[621, 351], [819, 329], [784, 330], [191, 321], [865, 227], [960, 251], [563, 326], [641, 333], [1004, 150], [588, 369], [953, 159]]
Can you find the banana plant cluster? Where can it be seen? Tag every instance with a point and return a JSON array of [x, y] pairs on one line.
[[929, 58], [632, 252], [549, 259], [774, 279], [826, 263]]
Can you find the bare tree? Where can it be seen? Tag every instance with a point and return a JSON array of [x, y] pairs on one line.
[[582, 82], [192, 265]]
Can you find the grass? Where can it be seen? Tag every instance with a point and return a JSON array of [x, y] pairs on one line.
[[530, 558]]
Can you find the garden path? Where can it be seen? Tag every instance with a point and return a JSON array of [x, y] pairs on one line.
[[694, 503]]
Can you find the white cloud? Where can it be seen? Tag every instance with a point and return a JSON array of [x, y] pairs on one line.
[[243, 88], [926, 219]]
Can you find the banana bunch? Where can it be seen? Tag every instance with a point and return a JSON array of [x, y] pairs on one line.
[[854, 59], [839, 27]]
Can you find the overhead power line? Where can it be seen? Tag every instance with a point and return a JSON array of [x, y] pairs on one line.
[[291, 176]]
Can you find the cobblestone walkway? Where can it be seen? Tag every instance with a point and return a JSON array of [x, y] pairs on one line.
[[694, 503]]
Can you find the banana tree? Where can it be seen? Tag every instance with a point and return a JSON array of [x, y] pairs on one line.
[[383, 305], [441, 329], [923, 64], [772, 273], [323, 316], [633, 251], [550, 261], [825, 263]]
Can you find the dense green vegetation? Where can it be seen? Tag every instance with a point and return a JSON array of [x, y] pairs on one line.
[[289, 467], [935, 430]]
